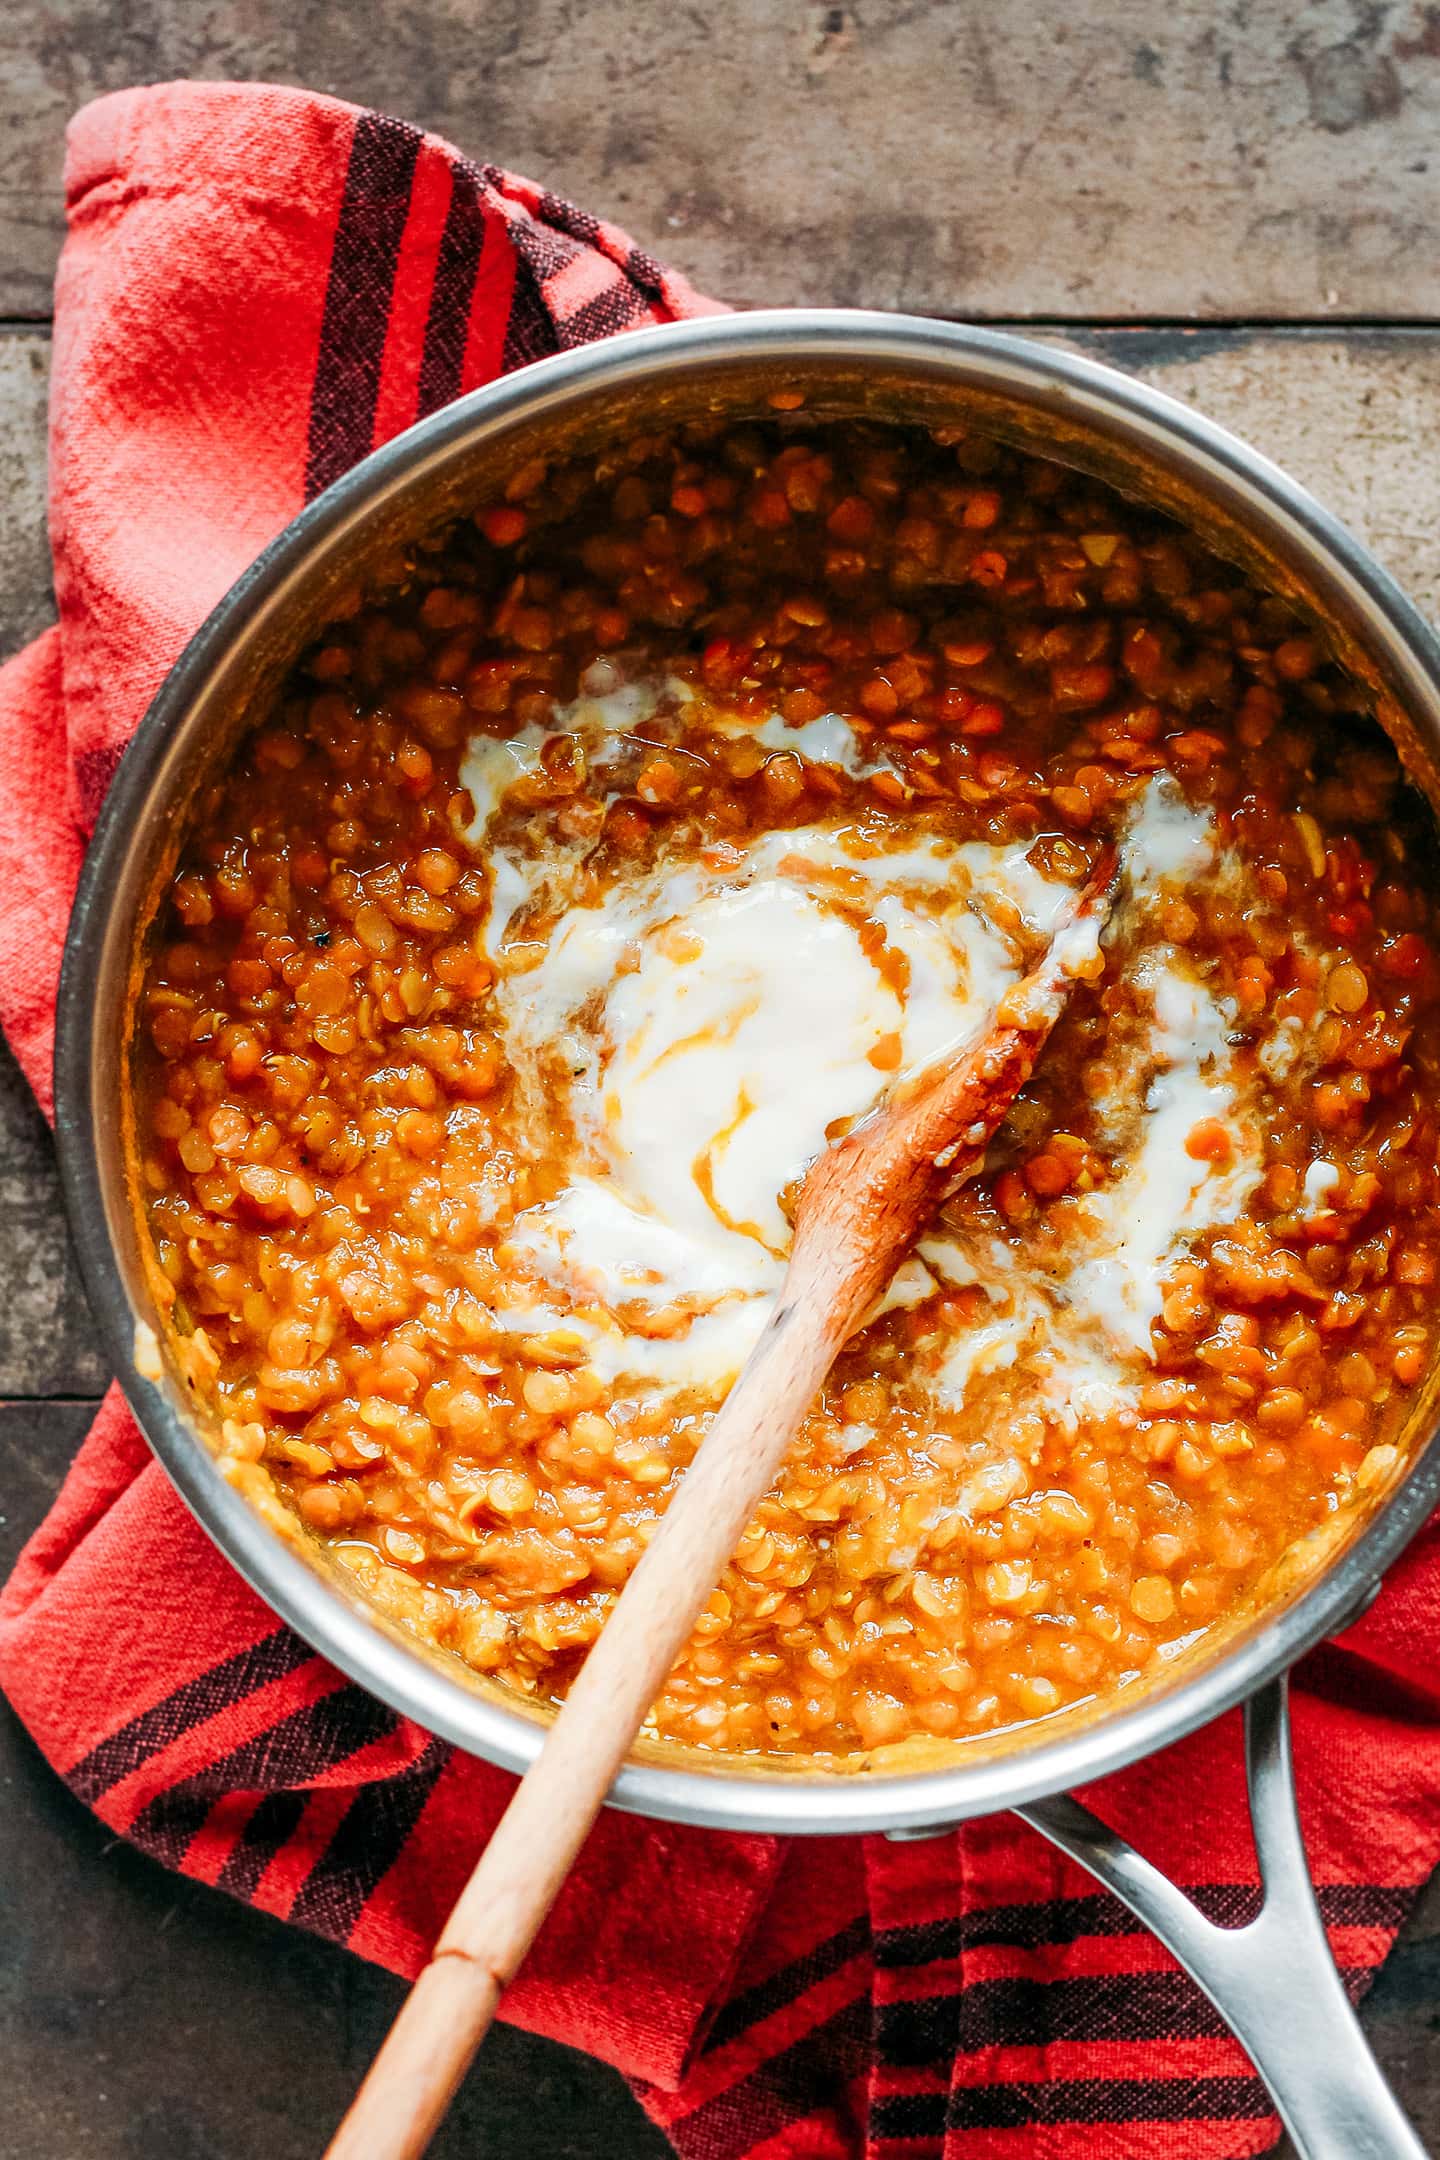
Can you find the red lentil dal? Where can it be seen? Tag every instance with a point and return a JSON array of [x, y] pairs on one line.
[[331, 1161]]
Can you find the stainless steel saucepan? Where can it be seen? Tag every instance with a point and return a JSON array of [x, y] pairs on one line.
[[1273, 1980]]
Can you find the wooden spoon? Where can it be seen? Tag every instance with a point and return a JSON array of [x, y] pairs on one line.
[[860, 1208]]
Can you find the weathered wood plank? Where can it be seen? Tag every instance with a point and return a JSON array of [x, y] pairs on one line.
[[1128, 158], [37, 1441], [47, 1340], [25, 598], [1402, 2016]]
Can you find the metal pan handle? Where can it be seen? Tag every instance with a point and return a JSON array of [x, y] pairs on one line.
[[1273, 1981]]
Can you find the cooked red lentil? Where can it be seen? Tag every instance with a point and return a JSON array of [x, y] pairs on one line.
[[629, 842]]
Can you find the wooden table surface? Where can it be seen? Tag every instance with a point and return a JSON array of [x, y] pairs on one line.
[[1236, 201]]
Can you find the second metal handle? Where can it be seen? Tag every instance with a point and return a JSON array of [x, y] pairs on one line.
[[1273, 1981]]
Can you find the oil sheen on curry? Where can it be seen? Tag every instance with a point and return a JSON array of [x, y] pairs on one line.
[[613, 855]]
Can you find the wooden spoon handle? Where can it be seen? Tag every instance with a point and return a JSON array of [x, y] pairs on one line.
[[399, 2106]]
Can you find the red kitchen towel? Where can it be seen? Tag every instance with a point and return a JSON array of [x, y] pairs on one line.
[[259, 286]]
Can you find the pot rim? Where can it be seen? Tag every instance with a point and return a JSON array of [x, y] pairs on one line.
[[1084, 392]]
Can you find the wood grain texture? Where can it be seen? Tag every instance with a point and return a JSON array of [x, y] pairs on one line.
[[47, 1341], [1129, 157], [26, 603]]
